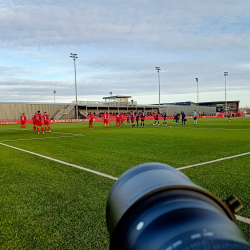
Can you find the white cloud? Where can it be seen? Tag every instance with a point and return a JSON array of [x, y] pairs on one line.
[[181, 24], [119, 43]]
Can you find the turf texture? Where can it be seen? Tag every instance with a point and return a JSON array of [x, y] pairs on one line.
[[48, 205]]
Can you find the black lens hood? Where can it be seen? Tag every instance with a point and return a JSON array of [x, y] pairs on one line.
[[144, 180]]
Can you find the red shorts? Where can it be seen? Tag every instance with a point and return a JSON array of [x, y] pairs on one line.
[[46, 122], [23, 123], [106, 121], [38, 123]]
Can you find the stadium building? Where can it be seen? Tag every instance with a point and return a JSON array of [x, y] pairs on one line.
[[110, 104], [232, 106], [119, 103]]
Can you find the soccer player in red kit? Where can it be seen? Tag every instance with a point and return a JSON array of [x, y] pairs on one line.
[[38, 120], [106, 121], [91, 117], [154, 117], [122, 119], [46, 121], [34, 122], [118, 120], [23, 121]]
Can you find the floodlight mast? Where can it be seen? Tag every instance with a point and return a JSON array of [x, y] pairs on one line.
[[226, 74], [197, 91], [158, 70], [74, 56], [54, 91]]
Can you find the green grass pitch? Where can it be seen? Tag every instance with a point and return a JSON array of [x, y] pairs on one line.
[[49, 205]]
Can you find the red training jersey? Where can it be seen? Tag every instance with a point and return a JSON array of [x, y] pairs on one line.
[[38, 117], [117, 117], [91, 117], [105, 116], [45, 117], [23, 118]]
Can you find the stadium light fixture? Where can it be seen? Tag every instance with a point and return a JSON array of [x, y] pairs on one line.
[[158, 70], [197, 80], [74, 56], [226, 74], [54, 91]]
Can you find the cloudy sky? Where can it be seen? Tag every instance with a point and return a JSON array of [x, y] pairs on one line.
[[119, 43]]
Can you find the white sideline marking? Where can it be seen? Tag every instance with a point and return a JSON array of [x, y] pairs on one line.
[[47, 132], [62, 162], [243, 219], [221, 159], [240, 218], [43, 138]]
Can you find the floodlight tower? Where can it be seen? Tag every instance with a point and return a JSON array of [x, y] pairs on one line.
[[74, 56], [197, 91], [226, 74], [158, 70], [54, 91]]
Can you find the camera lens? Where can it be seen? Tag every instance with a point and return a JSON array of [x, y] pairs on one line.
[[154, 206]]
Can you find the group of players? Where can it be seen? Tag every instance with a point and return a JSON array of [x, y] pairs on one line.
[[130, 117], [37, 122], [120, 118]]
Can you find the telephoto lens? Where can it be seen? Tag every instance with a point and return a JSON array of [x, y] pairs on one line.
[[153, 206]]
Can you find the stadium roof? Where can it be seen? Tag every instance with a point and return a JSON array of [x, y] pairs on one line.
[[219, 101], [180, 103], [117, 96], [190, 103]]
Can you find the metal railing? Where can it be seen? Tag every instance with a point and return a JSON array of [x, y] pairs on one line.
[[108, 104], [64, 111]]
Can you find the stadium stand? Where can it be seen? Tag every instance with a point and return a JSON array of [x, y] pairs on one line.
[[13, 111], [62, 112]]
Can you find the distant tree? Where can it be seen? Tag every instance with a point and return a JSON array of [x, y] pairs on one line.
[[246, 109]]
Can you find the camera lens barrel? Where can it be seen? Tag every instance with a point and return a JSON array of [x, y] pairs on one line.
[[154, 206]]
